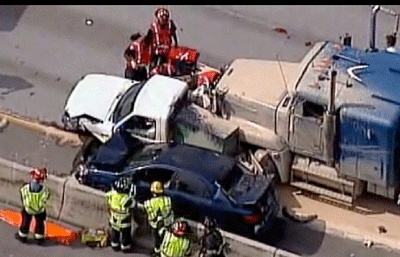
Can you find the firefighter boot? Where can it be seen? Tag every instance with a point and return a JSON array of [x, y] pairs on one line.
[[39, 241], [21, 239]]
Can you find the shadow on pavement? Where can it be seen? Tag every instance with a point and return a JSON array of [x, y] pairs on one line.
[[299, 238], [10, 16], [10, 84], [373, 204]]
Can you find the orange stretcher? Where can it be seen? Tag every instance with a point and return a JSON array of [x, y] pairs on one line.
[[54, 231]]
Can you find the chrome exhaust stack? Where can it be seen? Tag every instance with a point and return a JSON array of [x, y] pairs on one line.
[[372, 29]]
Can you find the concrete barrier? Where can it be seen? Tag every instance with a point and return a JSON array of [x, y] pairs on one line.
[[83, 206], [13, 176]]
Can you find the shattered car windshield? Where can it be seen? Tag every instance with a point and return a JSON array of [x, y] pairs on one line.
[[232, 178], [125, 105]]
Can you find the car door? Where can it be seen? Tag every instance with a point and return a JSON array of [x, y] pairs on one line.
[[191, 195], [144, 177]]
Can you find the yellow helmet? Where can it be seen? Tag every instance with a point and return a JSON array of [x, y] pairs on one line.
[[157, 187]]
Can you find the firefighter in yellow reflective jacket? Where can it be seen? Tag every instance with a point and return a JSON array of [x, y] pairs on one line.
[[176, 242], [34, 198], [120, 204], [160, 214]]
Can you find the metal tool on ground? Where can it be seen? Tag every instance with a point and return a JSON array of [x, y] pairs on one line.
[[95, 237]]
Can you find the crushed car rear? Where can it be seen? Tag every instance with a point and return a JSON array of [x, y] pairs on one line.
[[255, 194]]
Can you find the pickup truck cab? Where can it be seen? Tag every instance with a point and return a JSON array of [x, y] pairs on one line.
[[100, 104]]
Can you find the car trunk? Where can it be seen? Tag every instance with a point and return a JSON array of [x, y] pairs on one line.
[[256, 193]]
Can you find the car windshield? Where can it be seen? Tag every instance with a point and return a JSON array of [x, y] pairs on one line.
[[232, 178], [125, 105]]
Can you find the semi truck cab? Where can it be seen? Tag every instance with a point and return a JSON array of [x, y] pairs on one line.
[[337, 111]]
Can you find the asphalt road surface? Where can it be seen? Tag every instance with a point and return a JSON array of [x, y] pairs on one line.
[[46, 49], [33, 149]]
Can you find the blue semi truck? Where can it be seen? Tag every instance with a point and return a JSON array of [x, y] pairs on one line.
[[329, 125]]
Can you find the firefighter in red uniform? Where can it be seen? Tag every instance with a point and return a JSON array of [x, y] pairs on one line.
[[163, 36], [138, 57], [166, 69]]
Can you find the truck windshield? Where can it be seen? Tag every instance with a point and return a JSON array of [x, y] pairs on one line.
[[232, 178], [127, 102]]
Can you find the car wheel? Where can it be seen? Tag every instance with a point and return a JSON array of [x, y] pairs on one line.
[[89, 146]]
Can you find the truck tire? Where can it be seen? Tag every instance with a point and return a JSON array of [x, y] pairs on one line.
[[88, 147]]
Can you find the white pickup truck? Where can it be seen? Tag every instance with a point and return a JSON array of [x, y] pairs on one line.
[[101, 103]]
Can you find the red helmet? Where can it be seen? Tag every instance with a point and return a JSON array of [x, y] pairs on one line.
[[179, 228], [162, 15], [39, 174]]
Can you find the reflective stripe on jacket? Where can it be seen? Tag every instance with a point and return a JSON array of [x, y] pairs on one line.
[[162, 39], [34, 202], [120, 215], [159, 209], [173, 246], [142, 52]]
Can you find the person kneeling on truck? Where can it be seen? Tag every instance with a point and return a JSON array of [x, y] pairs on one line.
[[138, 56], [34, 197], [120, 204]]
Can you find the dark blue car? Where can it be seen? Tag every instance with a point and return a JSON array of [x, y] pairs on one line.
[[199, 181]]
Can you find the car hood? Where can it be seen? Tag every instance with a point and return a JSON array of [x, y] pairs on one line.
[[95, 95], [113, 155], [249, 189]]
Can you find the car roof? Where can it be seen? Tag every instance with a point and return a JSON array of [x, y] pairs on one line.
[[208, 164], [155, 98]]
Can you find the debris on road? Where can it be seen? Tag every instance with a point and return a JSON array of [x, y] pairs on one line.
[[88, 22], [368, 243], [297, 216], [382, 230]]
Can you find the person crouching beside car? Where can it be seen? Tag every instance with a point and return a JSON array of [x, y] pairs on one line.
[[138, 56]]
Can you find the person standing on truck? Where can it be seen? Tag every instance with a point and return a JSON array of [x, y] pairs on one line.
[[212, 243], [120, 204], [160, 213], [138, 56], [163, 36], [176, 241], [391, 43], [34, 196]]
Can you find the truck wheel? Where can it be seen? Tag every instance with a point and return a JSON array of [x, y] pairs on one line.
[[89, 146]]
